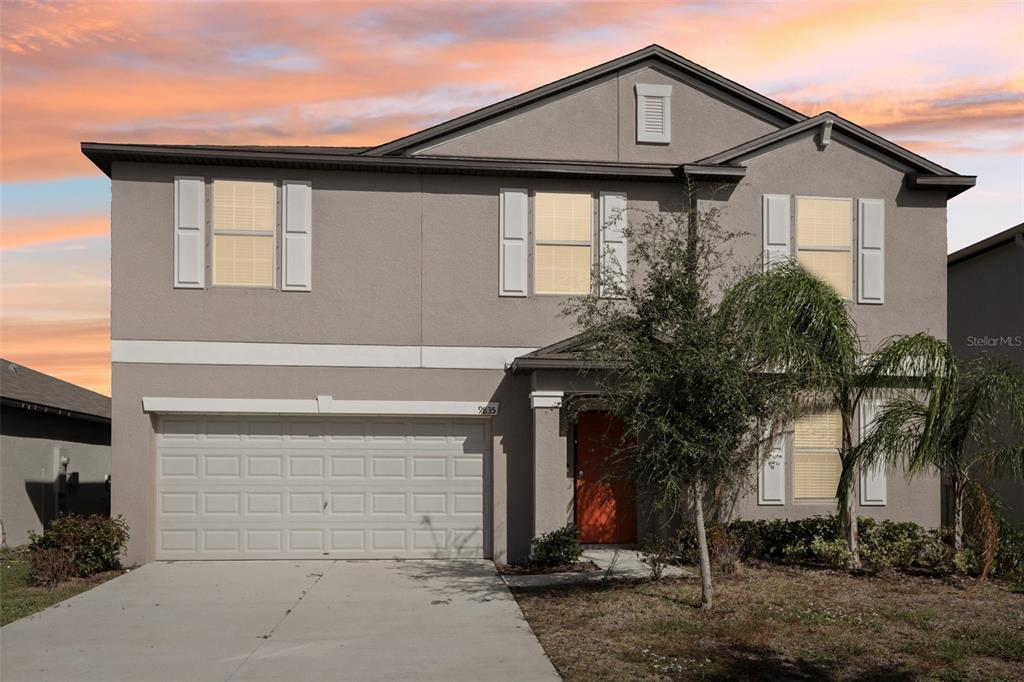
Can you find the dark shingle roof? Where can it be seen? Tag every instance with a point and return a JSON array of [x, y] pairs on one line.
[[1015, 233], [21, 384]]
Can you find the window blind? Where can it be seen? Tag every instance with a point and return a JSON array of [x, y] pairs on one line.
[[563, 233], [244, 222]]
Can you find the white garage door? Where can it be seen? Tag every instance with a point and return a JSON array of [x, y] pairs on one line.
[[282, 487]]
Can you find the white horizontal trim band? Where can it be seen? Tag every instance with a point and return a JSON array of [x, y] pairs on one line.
[[320, 405], [312, 354]]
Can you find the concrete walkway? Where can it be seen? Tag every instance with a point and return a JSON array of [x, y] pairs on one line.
[[294, 620], [614, 564]]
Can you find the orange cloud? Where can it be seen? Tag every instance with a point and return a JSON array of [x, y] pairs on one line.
[[19, 233], [73, 350], [167, 72], [944, 78]]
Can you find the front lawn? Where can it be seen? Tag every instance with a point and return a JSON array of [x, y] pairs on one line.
[[782, 623], [19, 599]]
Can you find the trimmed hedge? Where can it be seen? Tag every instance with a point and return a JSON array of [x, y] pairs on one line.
[[883, 545]]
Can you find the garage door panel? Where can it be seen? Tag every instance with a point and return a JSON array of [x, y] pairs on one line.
[[265, 488]]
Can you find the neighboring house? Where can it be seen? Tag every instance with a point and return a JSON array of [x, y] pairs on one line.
[[358, 352], [986, 316], [54, 451]]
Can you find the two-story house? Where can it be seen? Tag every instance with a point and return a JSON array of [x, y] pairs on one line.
[[358, 352]]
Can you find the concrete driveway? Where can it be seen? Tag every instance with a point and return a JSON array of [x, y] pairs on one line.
[[277, 620]]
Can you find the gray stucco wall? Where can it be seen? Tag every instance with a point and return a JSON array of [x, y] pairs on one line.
[[597, 122], [397, 260], [29, 495], [915, 227], [986, 317], [408, 260]]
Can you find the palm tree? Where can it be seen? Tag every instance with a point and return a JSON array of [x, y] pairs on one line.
[[804, 327], [980, 430]]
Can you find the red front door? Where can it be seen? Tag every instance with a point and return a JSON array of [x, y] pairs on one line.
[[605, 496]]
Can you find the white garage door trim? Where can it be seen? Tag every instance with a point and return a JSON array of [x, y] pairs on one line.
[[285, 487]]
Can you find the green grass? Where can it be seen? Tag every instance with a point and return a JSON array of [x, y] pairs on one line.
[[19, 599], [782, 623]]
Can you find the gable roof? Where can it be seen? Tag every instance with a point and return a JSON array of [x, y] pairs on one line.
[[565, 354], [651, 52], [28, 388], [930, 175], [1014, 234]]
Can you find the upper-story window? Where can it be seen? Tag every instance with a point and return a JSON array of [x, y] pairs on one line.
[[566, 235], [824, 240], [244, 229], [823, 231], [242, 221], [563, 234]]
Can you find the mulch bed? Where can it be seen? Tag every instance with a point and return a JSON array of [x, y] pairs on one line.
[[528, 569]]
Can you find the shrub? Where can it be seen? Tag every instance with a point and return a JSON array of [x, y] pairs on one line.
[[94, 543], [723, 549], [657, 552], [773, 540], [1009, 560], [890, 544], [724, 545], [49, 566], [832, 552], [557, 548]]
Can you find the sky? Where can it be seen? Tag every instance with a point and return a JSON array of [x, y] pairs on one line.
[[944, 79]]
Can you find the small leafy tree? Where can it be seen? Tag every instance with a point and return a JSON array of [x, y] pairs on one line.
[[691, 395], [979, 430], [804, 328]]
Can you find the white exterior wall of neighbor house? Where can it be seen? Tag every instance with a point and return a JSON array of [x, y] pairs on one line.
[[404, 296]]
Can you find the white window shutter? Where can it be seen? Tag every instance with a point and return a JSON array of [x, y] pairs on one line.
[[653, 113], [297, 213], [514, 224], [189, 232], [771, 477], [613, 238], [776, 227], [872, 479], [871, 251]]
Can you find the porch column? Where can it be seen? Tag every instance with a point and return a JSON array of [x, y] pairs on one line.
[[552, 476]]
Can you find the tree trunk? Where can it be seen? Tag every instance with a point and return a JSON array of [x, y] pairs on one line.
[[850, 530], [959, 490], [847, 499], [706, 590]]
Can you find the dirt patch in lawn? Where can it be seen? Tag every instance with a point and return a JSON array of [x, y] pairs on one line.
[[782, 623], [19, 599], [578, 567]]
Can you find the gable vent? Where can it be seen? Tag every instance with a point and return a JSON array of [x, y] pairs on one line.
[[653, 113]]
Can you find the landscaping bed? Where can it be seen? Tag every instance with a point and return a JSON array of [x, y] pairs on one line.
[[18, 598], [533, 569], [778, 622]]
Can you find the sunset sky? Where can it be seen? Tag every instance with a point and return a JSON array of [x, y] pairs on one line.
[[945, 79]]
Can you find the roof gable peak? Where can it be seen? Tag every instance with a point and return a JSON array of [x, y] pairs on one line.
[[652, 51]]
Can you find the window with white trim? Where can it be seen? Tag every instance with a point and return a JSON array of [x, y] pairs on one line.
[[816, 464], [824, 240], [563, 234], [244, 225]]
